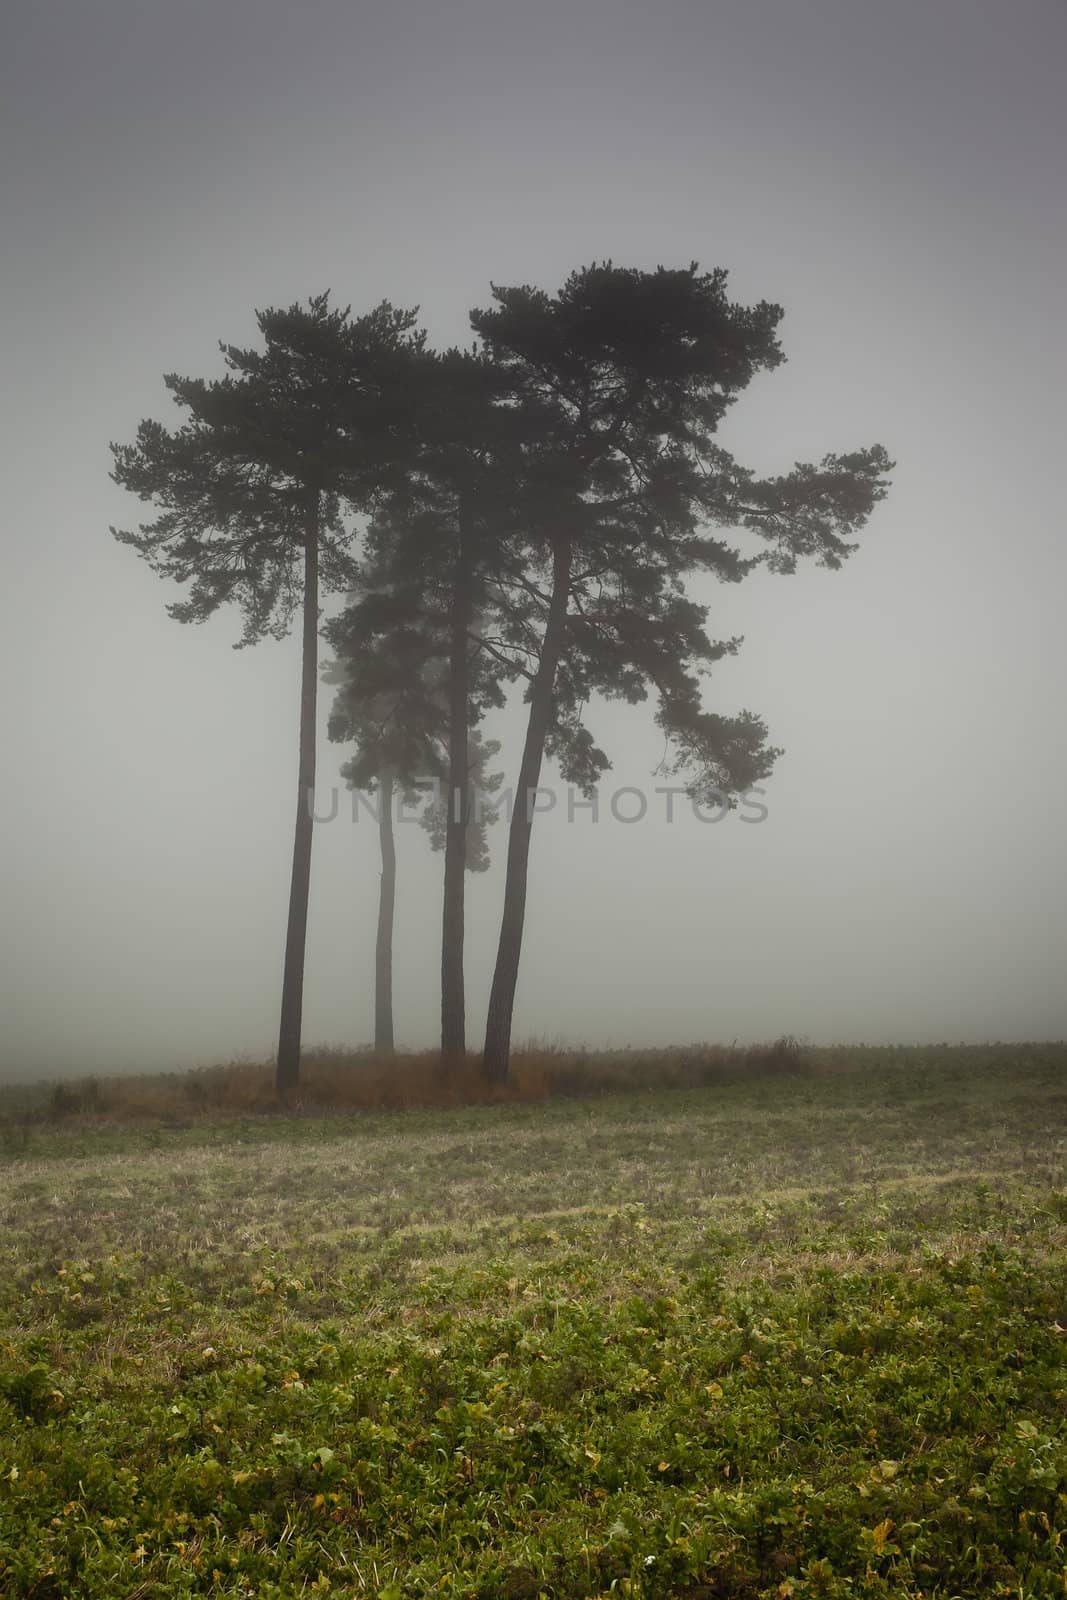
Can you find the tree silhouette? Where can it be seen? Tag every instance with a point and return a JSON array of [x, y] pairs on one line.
[[444, 547], [630, 374], [253, 490]]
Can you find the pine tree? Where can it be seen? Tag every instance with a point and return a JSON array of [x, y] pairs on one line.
[[629, 375], [253, 491], [448, 553]]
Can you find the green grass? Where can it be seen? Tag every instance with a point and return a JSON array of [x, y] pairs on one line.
[[773, 1336]]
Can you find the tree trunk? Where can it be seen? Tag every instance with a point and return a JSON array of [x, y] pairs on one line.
[[383, 955], [288, 1071], [505, 978], [457, 797]]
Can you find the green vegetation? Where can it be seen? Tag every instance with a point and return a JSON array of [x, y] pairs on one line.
[[797, 1334]]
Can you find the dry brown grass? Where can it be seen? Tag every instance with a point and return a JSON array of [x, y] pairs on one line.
[[358, 1080]]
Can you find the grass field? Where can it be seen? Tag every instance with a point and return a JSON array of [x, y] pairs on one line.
[[797, 1334]]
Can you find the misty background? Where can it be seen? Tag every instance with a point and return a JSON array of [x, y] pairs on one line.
[[893, 176]]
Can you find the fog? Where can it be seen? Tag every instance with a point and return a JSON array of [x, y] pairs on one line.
[[892, 176]]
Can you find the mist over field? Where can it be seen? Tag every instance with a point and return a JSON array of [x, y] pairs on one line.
[[894, 182]]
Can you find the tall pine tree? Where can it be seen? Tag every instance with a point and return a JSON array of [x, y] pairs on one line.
[[253, 491], [629, 375], [445, 547]]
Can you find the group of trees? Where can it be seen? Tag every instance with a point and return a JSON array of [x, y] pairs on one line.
[[524, 511]]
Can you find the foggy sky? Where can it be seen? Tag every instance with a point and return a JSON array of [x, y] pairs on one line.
[[892, 175]]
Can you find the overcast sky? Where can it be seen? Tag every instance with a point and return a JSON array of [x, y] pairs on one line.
[[893, 175]]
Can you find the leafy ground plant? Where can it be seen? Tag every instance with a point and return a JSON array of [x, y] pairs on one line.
[[779, 1336]]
